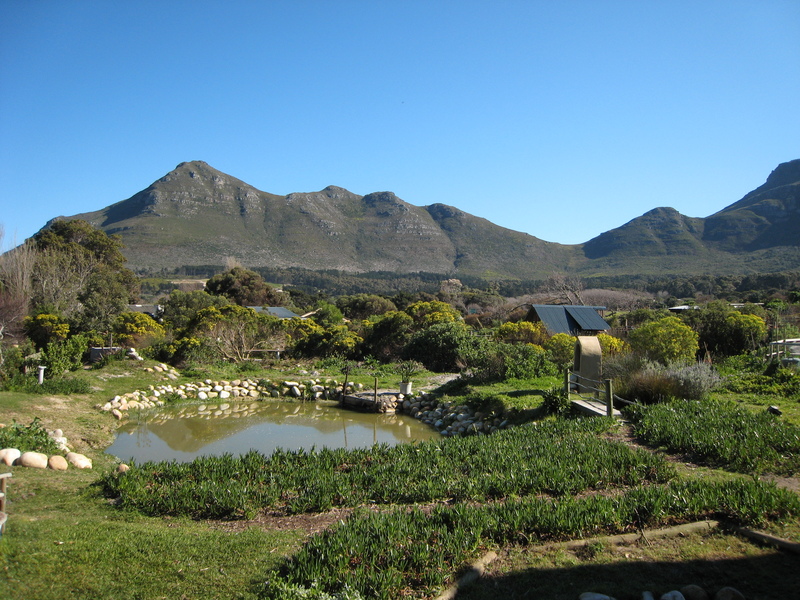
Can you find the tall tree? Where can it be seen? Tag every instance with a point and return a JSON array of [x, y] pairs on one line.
[[245, 288], [80, 273]]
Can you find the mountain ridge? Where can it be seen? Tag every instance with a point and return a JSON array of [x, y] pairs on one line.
[[197, 215]]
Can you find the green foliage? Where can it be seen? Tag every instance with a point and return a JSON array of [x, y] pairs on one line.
[[434, 312], [327, 341], [488, 360], [79, 273], [383, 554], [408, 368], [555, 457], [327, 314], [721, 434], [28, 438], [28, 384], [610, 345], [363, 306], [131, 328], [181, 308], [63, 356], [751, 375], [44, 328], [725, 331], [386, 336], [666, 340], [561, 349], [525, 332], [440, 347], [555, 401], [245, 288]]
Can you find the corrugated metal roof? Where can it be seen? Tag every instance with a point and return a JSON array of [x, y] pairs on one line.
[[587, 318], [570, 319], [554, 318]]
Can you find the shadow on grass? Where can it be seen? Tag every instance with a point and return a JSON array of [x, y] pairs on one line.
[[771, 576]]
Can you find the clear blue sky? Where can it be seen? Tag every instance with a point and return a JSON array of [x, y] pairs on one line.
[[560, 119]]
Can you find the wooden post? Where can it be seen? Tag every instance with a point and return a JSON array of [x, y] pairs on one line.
[[375, 395], [609, 398], [566, 382]]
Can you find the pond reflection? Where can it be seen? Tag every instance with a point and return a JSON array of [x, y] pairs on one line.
[[184, 432]]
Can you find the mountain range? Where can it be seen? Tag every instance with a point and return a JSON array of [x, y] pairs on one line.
[[197, 215]]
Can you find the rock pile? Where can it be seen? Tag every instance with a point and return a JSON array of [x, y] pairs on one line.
[[450, 419]]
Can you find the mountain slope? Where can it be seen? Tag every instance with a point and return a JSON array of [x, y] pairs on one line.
[[197, 215]]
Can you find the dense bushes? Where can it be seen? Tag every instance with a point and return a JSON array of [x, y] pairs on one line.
[[27, 438]]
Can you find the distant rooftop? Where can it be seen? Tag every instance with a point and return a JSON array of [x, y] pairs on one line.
[[276, 311], [569, 319]]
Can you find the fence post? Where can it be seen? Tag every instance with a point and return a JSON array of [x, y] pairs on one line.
[[566, 382], [609, 398]]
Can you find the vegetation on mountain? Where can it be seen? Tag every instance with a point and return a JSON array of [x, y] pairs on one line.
[[177, 220]]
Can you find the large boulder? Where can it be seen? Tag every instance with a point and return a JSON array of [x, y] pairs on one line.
[[9, 455], [34, 460], [79, 460], [57, 463]]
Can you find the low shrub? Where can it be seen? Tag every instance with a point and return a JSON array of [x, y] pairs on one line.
[[555, 401], [650, 382], [721, 434], [27, 384], [27, 438]]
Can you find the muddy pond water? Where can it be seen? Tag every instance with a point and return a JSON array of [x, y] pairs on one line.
[[187, 431]]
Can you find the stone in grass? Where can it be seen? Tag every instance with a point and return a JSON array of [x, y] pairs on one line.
[[594, 596], [729, 593], [694, 592], [57, 463], [34, 460], [673, 595], [79, 460], [9, 455]]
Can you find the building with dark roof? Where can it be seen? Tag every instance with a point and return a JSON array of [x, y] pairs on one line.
[[573, 320]]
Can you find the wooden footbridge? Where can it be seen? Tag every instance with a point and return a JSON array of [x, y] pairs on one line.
[[591, 396]]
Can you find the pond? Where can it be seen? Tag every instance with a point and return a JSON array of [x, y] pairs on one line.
[[186, 431]]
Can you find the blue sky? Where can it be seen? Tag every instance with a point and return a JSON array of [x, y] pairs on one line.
[[559, 119]]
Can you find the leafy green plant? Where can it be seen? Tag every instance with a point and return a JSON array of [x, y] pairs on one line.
[[28, 438], [721, 434], [555, 401], [62, 356], [408, 368]]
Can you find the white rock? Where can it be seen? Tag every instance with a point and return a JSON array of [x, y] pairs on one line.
[[9, 455], [79, 460]]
